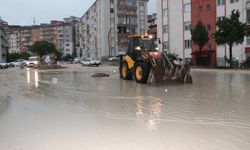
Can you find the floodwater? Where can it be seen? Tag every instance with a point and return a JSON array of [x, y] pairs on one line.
[[69, 110]]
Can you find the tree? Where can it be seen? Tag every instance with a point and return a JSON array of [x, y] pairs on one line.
[[43, 47], [200, 36], [230, 31], [14, 56], [24, 55]]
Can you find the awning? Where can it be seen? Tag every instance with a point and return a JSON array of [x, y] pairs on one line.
[[247, 50]]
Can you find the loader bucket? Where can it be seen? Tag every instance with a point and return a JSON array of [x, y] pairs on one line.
[[156, 75]]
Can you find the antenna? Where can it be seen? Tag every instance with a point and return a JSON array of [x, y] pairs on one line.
[[34, 20]]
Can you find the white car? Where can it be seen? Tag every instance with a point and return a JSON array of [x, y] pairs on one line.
[[33, 61], [3, 65], [114, 58], [77, 60], [90, 62], [18, 63]]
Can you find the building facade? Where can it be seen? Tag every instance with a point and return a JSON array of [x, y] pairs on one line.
[[152, 24], [177, 17], [106, 25], [14, 39], [59, 33], [3, 40], [72, 19], [173, 26]]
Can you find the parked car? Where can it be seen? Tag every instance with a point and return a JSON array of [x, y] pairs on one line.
[[18, 62], [33, 61], [90, 62], [116, 58], [77, 60], [3, 65], [10, 65]]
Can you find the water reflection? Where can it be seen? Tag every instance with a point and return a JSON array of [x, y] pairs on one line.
[[36, 78], [28, 75], [148, 110], [33, 76], [4, 104]]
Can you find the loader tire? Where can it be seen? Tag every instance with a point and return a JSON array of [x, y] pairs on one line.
[[141, 72], [125, 72]]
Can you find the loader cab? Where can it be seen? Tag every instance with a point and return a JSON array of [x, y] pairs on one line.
[[139, 43]]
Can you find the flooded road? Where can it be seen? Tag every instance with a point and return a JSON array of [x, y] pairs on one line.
[[69, 110]]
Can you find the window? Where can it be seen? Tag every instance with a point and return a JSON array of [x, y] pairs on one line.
[[187, 7], [165, 45], [248, 16], [111, 10], [165, 12], [219, 18], [187, 44], [234, 1], [248, 41], [165, 28], [220, 2], [141, 4], [187, 26], [200, 8], [208, 27], [208, 7], [209, 46]]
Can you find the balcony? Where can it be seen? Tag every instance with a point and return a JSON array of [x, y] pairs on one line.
[[125, 6]]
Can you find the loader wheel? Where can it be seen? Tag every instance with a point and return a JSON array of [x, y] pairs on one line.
[[125, 72], [141, 72]]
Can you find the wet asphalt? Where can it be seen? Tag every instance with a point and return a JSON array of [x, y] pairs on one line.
[[68, 109]]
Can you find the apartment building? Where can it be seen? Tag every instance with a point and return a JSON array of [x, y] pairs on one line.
[[59, 33], [3, 40], [72, 19], [106, 25], [173, 26], [14, 39], [152, 23], [177, 17], [25, 39], [77, 42], [240, 51]]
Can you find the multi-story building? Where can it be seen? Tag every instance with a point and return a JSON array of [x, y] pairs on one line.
[[57, 32], [106, 25], [77, 41], [25, 39], [72, 19], [14, 39], [68, 39], [177, 17], [174, 24], [152, 23], [3, 40], [75, 22], [224, 8]]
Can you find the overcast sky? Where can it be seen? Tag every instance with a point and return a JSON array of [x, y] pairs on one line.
[[21, 12]]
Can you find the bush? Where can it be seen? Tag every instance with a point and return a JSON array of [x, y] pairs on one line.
[[14, 56]]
